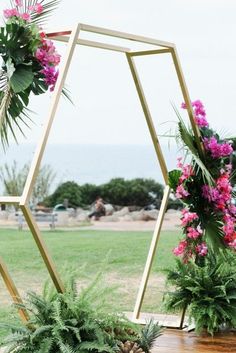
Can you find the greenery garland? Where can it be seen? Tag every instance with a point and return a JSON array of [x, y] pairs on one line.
[[204, 185], [29, 62]]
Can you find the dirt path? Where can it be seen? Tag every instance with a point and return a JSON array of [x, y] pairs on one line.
[[171, 222]]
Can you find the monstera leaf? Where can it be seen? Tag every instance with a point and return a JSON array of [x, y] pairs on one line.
[[173, 178], [22, 78]]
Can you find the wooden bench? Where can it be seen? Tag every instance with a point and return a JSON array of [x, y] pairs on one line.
[[39, 217]]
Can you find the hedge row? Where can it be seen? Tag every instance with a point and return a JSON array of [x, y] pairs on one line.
[[118, 191]]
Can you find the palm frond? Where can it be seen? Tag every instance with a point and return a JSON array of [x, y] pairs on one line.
[[187, 138], [49, 7]]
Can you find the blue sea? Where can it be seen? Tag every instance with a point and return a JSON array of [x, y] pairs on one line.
[[95, 164]]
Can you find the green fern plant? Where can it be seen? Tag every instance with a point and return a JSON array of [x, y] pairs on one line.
[[209, 292], [74, 322]]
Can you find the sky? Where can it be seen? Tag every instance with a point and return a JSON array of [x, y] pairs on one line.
[[106, 109]]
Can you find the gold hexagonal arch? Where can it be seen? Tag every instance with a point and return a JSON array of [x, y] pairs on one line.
[[72, 37]]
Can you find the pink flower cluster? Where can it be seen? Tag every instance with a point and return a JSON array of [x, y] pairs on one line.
[[181, 193], [229, 227], [47, 55], [199, 113], [221, 194], [188, 217], [221, 197], [202, 249], [218, 195], [217, 150], [187, 172], [18, 11], [193, 243], [194, 233], [180, 249]]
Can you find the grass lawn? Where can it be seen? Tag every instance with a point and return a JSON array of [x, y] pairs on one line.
[[126, 254]]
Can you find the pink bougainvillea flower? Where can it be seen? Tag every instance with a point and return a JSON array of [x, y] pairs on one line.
[[193, 233], [31, 8], [42, 35], [187, 172], [181, 192], [199, 112], [47, 54], [179, 250], [188, 217], [226, 149], [38, 8], [51, 75], [26, 16], [179, 162], [8, 13], [18, 3], [217, 150], [202, 249]]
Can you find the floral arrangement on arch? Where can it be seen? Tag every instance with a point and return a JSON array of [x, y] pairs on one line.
[[204, 186], [29, 61]]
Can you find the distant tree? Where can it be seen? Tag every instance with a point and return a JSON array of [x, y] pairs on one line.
[[13, 179], [118, 191], [43, 184], [115, 192], [139, 192], [89, 193], [67, 191]]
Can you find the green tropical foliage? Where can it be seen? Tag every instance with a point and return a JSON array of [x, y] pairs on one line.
[[21, 73], [207, 289]]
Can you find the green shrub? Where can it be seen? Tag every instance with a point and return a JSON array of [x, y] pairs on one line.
[[209, 292], [89, 193], [139, 192], [67, 191], [118, 191]]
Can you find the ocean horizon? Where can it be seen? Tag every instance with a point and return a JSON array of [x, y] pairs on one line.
[[96, 164]]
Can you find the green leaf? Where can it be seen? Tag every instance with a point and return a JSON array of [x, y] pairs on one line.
[[174, 176], [22, 78], [10, 68]]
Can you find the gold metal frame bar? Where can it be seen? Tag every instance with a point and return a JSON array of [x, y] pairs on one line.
[[160, 322], [43, 249], [35, 165], [149, 52], [187, 99], [151, 254], [123, 35], [12, 289], [11, 200], [89, 43], [148, 117]]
